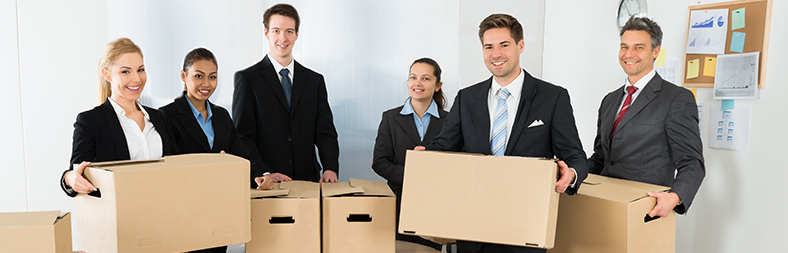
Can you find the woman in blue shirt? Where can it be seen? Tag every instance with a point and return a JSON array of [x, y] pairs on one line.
[[413, 124]]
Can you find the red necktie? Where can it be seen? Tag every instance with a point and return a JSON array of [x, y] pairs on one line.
[[630, 90]]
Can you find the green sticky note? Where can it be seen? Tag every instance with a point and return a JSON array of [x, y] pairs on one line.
[[737, 19], [737, 42]]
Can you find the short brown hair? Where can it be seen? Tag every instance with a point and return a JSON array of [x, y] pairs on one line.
[[284, 10], [501, 21], [644, 24]]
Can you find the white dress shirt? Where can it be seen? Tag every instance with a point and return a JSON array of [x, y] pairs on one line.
[[145, 144], [639, 85], [514, 88], [278, 67]]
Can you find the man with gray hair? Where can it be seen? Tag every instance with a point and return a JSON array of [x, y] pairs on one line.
[[647, 129]]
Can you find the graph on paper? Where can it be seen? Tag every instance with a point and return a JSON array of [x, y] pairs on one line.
[[736, 76], [708, 31]]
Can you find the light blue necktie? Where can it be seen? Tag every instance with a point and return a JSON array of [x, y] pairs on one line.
[[498, 144], [286, 84]]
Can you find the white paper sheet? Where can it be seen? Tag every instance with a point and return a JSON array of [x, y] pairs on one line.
[[736, 76], [729, 129], [708, 31]]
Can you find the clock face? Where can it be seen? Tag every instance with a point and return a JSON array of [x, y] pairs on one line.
[[628, 8]]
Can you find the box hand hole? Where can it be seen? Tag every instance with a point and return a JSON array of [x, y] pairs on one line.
[[359, 218], [281, 220]]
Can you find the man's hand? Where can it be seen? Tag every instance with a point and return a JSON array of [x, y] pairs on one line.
[[76, 181], [279, 177], [419, 148], [565, 177], [666, 201], [329, 176], [265, 182]]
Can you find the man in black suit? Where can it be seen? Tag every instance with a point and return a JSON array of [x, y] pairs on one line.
[[513, 114], [649, 130], [281, 109]]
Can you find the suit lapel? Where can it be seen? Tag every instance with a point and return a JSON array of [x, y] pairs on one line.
[[434, 128], [480, 114], [608, 116], [644, 98], [271, 77], [300, 80], [526, 97], [408, 125], [118, 137], [220, 131], [186, 117]]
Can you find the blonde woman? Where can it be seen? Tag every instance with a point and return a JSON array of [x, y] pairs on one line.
[[120, 128]]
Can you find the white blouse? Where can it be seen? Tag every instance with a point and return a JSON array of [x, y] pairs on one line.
[[145, 144]]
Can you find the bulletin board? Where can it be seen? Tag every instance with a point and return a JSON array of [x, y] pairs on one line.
[[757, 22]]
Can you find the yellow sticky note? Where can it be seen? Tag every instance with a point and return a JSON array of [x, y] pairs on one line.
[[693, 66], [695, 93], [661, 57], [709, 66]]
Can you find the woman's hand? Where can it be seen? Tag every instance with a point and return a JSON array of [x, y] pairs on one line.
[[76, 181], [265, 182]]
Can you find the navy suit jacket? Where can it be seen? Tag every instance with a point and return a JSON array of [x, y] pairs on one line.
[[658, 136], [468, 126], [98, 137], [191, 138], [286, 137]]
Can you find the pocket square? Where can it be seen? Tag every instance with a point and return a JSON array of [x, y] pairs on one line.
[[536, 123]]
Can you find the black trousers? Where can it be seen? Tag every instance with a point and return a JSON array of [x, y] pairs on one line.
[[496, 248]]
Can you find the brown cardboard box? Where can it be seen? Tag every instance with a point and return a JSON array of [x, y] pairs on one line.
[[48, 231], [472, 197], [181, 203], [358, 216], [286, 218], [609, 215]]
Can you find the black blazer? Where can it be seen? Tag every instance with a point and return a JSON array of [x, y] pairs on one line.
[[468, 125], [98, 137], [286, 137], [396, 134], [658, 136], [191, 139]]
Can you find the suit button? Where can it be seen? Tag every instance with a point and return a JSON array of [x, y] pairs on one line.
[[289, 139], [612, 163], [290, 161]]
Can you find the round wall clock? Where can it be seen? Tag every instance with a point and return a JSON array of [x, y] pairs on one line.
[[628, 8]]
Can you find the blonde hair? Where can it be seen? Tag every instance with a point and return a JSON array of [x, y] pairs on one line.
[[112, 52]]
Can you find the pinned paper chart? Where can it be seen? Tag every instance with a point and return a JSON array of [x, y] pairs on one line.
[[736, 76], [729, 129], [668, 72], [707, 32]]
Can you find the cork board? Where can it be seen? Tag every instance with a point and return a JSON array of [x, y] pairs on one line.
[[757, 19]]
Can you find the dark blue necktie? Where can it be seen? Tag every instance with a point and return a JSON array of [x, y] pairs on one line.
[[287, 86]]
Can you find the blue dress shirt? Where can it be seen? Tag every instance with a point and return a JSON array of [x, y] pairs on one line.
[[206, 125], [423, 122]]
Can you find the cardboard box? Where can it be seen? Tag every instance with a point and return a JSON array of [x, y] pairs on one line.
[[610, 215], [358, 216], [472, 197], [180, 203], [48, 231], [286, 218]]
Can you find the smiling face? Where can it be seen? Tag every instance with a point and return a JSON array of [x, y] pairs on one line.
[[201, 80], [127, 77], [502, 54], [422, 83], [636, 54], [281, 34]]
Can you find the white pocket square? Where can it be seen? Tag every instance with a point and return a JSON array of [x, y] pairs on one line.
[[536, 123]]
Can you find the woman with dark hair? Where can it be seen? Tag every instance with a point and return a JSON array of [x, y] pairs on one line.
[[413, 124]]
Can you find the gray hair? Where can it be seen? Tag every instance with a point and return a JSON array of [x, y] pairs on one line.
[[644, 24]]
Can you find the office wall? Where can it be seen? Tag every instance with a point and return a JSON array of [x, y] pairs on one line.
[[738, 207]]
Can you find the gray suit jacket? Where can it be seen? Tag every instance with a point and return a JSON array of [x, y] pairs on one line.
[[658, 136]]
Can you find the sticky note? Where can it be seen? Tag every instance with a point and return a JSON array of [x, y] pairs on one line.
[[737, 19], [737, 42], [727, 105], [693, 66], [709, 66], [661, 57], [694, 93]]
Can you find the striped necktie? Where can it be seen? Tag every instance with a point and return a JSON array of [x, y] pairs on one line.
[[630, 90], [498, 144]]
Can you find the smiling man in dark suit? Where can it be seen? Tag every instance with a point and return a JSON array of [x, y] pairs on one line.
[[513, 114], [281, 107], [648, 128]]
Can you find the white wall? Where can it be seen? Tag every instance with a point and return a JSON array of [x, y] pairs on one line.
[[738, 208]]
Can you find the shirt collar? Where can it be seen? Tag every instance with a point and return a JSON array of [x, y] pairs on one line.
[[432, 110], [515, 87], [278, 67], [122, 113], [643, 80], [197, 113]]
